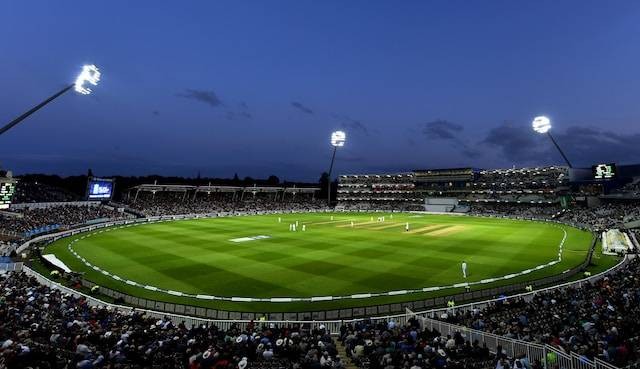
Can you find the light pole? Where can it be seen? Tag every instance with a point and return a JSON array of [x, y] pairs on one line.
[[338, 139], [542, 125], [89, 75]]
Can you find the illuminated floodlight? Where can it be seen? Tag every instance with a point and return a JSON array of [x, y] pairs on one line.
[[89, 75], [541, 124], [338, 138]]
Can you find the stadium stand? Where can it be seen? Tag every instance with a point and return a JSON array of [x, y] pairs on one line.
[[407, 191], [391, 345], [384, 192], [595, 320], [44, 328], [35, 220], [34, 192], [156, 200]]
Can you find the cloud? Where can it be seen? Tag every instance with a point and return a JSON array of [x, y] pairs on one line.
[[442, 130], [451, 132], [583, 145], [242, 112], [301, 107], [351, 125], [587, 146], [516, 142], [207, 97]]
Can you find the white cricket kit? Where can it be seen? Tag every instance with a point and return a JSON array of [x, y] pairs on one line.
[[464, 269], [406, 227]]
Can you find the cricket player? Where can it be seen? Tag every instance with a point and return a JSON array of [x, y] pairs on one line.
[[406, 227], [464, 269], [304, 227]]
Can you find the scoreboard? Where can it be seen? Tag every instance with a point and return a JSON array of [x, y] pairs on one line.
[[7, 189], [604, 171], [100, 188]]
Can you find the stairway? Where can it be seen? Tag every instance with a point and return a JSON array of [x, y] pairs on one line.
[[348, 364]]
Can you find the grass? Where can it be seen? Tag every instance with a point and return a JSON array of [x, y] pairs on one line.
[[330, 258]]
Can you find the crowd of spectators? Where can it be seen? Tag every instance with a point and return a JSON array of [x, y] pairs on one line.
[[388, 345], [595, 320], [524, 185], [7, 247], [515, 210], [44, 328], [33, 192], [175, 203], [64, 216], [522, 178], [606, 216], [631, 189], [385, 205]]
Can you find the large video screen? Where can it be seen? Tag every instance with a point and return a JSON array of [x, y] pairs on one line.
[[7, 189], [100, 189], [604, 171]]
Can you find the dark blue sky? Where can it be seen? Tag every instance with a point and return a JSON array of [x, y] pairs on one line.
[[256, 87]]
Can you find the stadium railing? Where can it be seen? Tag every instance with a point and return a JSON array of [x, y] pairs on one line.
[[513, 347], [548, 355], [11, 267], [332, 324]]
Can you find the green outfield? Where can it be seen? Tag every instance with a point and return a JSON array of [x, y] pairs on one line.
[[259, 257]]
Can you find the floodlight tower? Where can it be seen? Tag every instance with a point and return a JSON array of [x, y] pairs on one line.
[[90, 74], [542, 125], [338, 139]]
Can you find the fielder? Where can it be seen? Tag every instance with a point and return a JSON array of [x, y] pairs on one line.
[[406, 227], [464, 269]]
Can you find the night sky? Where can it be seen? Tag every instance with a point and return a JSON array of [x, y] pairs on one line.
[[256, 87]]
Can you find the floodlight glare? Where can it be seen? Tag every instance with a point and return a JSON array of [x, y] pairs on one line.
[[90, 74], [541, 124], [338, 138]]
